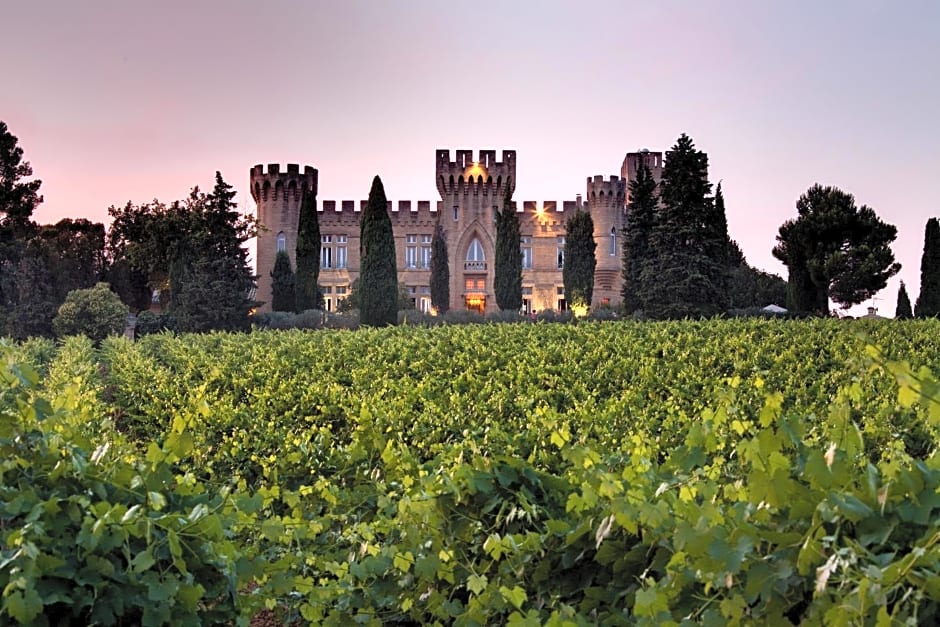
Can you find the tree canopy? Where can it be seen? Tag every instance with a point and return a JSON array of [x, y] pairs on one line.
[[637, 250], [307, 274], [440, 271], [903, 309], [834, 251], [580, 260], [507, 271], [928, 302], [378, 278]]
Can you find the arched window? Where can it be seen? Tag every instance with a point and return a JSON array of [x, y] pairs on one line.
[[613, 240], [281, 242], [475, 259]]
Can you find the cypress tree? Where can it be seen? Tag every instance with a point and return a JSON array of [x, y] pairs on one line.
[[641, 217], [928, 302], [440, 271], [282, 284], [378, 279], [307, 293], [580, 260], [687, 274], [903, 310], [507, 279]]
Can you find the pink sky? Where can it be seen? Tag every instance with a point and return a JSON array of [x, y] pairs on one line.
[[127, 100]]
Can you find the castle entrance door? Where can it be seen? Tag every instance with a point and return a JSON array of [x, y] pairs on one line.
[[476, 302]]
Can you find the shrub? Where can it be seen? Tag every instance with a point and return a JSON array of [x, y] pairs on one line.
[[417, 318], [505, 316], [96, 312], [603, 313], [462, 316], [149, 322]]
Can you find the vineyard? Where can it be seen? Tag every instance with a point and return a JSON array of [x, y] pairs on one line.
[[616, 473]]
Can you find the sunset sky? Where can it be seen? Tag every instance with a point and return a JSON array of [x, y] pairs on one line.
[[132, 100]]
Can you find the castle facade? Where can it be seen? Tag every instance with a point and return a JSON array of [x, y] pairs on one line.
[[471, 190]]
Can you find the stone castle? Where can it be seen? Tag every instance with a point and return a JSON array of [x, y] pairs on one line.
[[471, 191]]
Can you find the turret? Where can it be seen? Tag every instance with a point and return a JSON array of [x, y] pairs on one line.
[[606, 204], [631, 163], [466, 176], [278, 196]]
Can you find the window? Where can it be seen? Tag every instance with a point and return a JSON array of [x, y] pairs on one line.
[[526, 253], [341, 290], [455, 213], [326, 251], [281, 242], [527, 300], [613, 241], [425, 251], [475, 258], [326, 290], [411, 251], [560, 293], [475, 284], [340, 251], [561, 251]]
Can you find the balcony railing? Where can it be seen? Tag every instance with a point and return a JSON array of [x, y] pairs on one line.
[[474, 266]]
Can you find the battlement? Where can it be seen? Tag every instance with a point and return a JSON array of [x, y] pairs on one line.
[[275, 184], [419, 212], [631, 163], [599, 190], [484, 175]]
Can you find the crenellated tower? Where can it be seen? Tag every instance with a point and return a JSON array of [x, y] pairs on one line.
[[471, 190], [631, 163], [278, 195], [605, 199]]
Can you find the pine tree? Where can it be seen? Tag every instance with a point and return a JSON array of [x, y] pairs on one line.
[[687, 274], [210, 278], [903, 310], [282, 284], [641, 217], [378, 278], [440, 271], [580, 260], [928, 302], [307, 276], [507, 273]]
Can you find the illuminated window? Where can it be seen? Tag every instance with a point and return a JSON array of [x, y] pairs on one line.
[[281, 242]]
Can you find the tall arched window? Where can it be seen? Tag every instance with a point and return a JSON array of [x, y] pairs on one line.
[[613, 241], [475, 258], [281, 242]]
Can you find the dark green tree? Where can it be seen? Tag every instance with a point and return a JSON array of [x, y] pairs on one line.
[[580, 260], [95, 312], [77, 257], [282, 284], [36, 304], [749, 287], [686, 275], [928, 301], [637, 250], [308, 295], [834, 251], [903, 310], [194, 249], [440, 271], [378, 278], [507, 270], [18, 199]]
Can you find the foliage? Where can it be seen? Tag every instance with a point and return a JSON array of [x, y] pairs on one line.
[[76, 254], [928, 301], [89, 537], [129, 283], [18, 198], [149, 322], [580, 260], [641, 217], [192, 248], [308, 294], [834, 250], [96, 313], [903, 309], [507, 270], [282, 284], [35, 301], [687, 273], [403, 301], [378, 278], [440, 271], [750, 287], [716, 472]]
